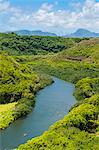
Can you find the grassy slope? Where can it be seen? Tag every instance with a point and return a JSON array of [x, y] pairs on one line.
[[18, 85], [80, 128]]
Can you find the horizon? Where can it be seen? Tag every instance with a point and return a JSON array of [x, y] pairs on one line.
[[39, 30], [60, 17]]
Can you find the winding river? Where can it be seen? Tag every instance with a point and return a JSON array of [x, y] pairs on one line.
[[52, 104]]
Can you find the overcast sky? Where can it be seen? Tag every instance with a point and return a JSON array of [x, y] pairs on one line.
[[59, 16]]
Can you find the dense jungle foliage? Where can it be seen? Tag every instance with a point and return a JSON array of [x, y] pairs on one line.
[[18, 45], [18, 86], [21, 76]]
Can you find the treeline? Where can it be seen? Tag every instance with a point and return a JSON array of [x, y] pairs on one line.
[[18, 45]]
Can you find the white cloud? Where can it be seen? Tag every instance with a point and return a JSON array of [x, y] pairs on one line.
[[4, 6], [46, 16], [46, 7]]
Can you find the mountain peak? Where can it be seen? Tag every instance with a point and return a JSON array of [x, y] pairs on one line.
[[83, 33], [82, 30]]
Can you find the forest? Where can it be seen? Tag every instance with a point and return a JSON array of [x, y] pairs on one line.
[[27, 64], [22, 45]]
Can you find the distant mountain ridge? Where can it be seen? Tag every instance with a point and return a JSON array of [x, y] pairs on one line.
[[80, 33], [83, 33], [37, 32]]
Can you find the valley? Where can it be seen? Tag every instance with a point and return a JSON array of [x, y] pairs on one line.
[[28, 66]]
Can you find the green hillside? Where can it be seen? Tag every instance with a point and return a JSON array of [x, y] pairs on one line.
[[80, 128], [18, 85], [19, 45]]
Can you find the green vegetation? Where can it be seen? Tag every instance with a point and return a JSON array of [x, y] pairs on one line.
[[18, 45], [17, 84], [76, 61], [6, 114], [80, 128], [86, 88]]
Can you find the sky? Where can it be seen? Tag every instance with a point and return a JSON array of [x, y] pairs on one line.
[[58, 16]]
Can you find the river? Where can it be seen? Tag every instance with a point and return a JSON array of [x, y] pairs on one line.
[[52, 104]]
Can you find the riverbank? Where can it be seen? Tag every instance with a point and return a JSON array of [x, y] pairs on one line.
[[52, 104], [18, 88], [80, 128], [8, 116], [20, 109]]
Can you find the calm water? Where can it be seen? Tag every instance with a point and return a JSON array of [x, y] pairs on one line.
[[52, 103]]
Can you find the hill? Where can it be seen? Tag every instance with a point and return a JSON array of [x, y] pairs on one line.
[[19, 45], [81, 33], [37, 32], [18, 85]]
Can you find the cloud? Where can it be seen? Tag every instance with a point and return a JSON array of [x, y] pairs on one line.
[[46, 7], [4, 6], [46, 16]]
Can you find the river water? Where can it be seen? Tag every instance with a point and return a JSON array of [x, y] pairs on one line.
[[52, 104]]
